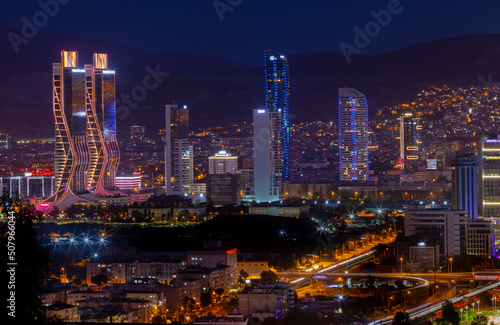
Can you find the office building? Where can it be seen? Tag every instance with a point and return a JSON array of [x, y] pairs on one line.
[[465, 185], [409, 141], [480, 237], [277, 100], [222, 163], [86, 154], [267, 154], [137, 133], [179, 169], [353, 134], [224, 189], [445, 227]]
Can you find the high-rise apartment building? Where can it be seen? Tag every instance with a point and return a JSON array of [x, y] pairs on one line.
[[179, 173], [267, 154], [409, 141], [353, 133], [465, 187], [222, 162], [86, 151], [277, 99]]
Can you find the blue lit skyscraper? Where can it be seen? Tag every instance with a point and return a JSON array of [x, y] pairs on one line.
[[277, 99], [465, 185], [353, 133]]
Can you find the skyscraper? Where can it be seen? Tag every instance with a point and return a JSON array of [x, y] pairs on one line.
[[465, 184], [409, 141], [489, 179], [353, 134], [222, 162], [179, 174], [268, 167], [86, 151], [277, 99]]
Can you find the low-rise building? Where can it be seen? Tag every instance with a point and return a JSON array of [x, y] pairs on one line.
[[233, 319], [272, 299], [63, 312], [253, 268], [480, 237]]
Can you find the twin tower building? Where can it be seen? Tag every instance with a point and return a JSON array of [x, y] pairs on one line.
[[86, 149]]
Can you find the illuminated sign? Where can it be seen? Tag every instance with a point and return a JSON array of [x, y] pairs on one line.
[[100, 61], [232, 251], [69, 59], [320, 277], [77, 70], [108, 71], [261, 111]]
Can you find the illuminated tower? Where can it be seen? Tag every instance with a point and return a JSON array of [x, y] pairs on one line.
[[465, 185], [277, 99], [86, 151], [489, 179], [353, 133], [101, 125], [179, 173], [409, 141], [268, 167]]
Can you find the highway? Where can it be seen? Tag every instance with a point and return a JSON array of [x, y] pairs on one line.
[[429, 308]]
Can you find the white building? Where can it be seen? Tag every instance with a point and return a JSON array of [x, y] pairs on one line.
[[267, 300], [213, 258], [268, 162], [222, 163], [353, 133]]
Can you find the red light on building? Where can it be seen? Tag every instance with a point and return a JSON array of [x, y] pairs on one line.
[[232, 251]]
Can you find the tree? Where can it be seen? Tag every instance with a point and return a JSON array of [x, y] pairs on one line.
[[219, 292], [99, 280], [449, 314], [268, 276], [32, 261], [158, 320], [206, 298], [401, 318], [480, 320], [244, 274]]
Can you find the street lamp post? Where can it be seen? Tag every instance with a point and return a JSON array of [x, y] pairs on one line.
[[466, 312], [478, 305], [450, 265], [472, 306], [401, 260], [461, 309], [406, 296]]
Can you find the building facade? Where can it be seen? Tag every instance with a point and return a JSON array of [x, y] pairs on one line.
[[222, 163], [489, 180], [353, 134], [446, 227], [267, 154]]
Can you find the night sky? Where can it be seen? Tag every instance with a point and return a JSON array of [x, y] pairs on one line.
[[194, 26]]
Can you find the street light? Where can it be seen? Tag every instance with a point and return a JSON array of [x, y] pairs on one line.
[[472, 306], [401, 260], [450, 264], [406, 299], [466, 312], [478, 305], [461, 309]]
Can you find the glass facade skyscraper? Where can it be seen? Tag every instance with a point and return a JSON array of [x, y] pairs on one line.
[[353, 133], [409, 141], [179, 173], [277, 99], [465, 185]]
